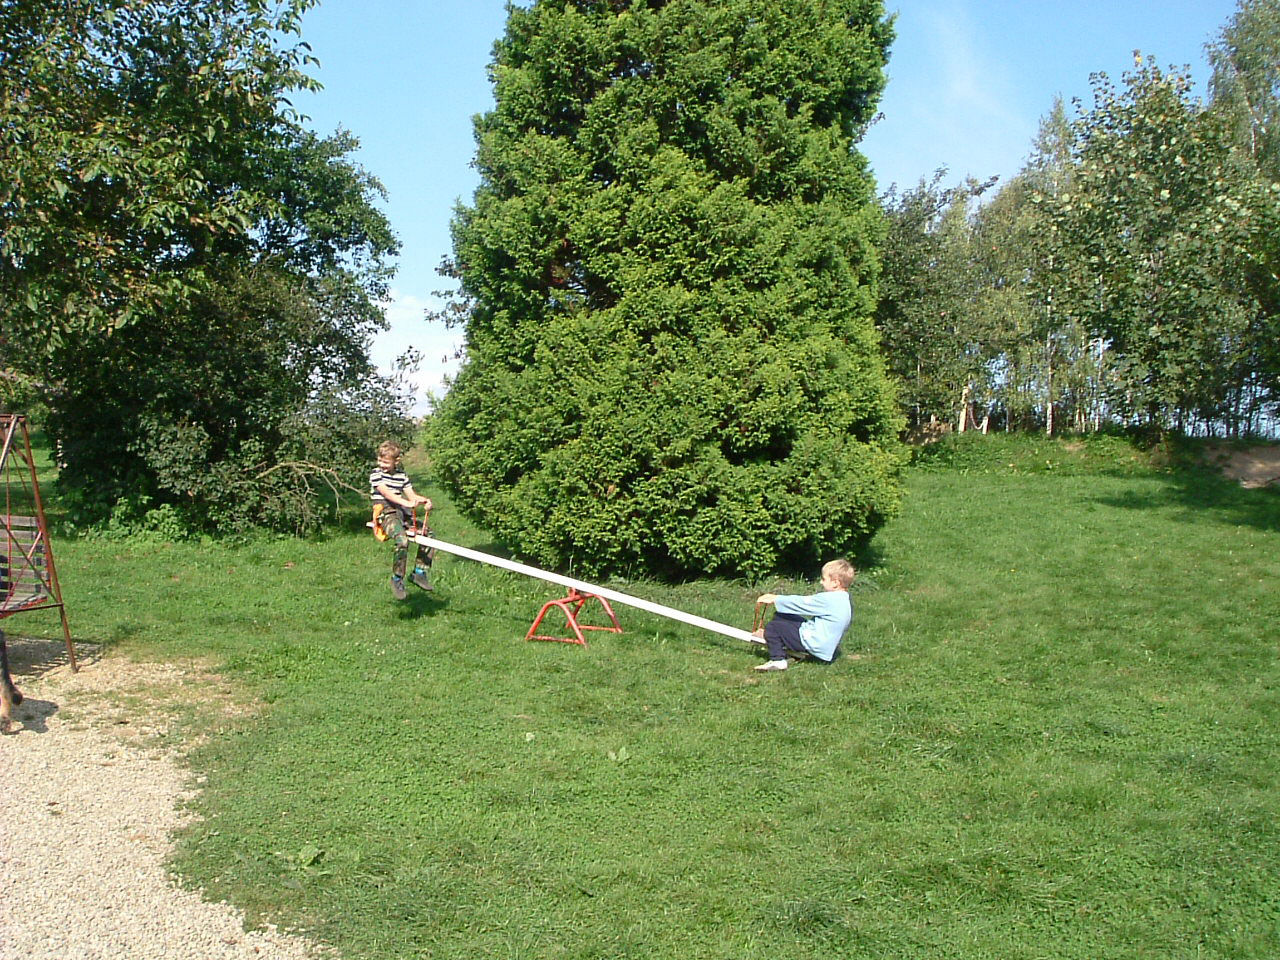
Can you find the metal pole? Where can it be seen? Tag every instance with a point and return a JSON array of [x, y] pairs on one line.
[[13, 421], [581, 585]]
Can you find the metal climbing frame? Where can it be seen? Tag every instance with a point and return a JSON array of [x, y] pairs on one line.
[[28, 577]]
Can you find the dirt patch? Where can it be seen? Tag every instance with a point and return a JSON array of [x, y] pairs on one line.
[[1252, 467]]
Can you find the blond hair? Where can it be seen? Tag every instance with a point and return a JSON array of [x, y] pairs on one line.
[[842, 571], [389, 448]]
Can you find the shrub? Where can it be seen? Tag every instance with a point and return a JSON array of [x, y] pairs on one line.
[[667, 277]]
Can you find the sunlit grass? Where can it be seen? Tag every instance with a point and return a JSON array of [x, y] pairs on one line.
[[1053, 734]]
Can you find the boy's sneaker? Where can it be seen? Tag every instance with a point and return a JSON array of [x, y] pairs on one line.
[[397, 588], [772, 665], [419, 578]]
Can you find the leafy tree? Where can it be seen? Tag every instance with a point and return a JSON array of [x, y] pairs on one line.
[[968, 311], [669, 273], [238, 408], [1150, 246], [935, 308], [192, 276], [1245, 88], [1245, 83], [1052, 373], [121, 124]]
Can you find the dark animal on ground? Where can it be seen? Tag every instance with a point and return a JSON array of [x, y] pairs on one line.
[[10, 696]]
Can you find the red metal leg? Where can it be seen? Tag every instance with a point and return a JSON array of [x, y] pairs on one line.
[[571, 605]]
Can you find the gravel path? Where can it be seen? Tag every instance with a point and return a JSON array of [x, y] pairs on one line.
[[87, 807]]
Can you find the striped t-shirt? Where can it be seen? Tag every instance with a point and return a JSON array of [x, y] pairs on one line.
[[393, 480]]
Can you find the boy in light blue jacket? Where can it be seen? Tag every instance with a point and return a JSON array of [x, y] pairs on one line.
[[809, 625]]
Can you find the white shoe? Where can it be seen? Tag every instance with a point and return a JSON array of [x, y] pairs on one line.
[[772, 665]]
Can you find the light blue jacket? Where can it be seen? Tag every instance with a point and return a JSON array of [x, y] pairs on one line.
[[827, 616]]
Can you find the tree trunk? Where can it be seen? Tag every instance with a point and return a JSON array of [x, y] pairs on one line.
[[1048, 387]]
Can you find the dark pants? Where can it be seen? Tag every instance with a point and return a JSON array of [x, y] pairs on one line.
[[782, 636]]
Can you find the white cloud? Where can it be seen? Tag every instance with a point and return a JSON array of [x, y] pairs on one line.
[[951, 100], [409, 327], [976, 107], [973, 85]]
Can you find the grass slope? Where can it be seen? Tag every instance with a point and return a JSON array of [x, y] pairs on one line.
[[1053, 734]]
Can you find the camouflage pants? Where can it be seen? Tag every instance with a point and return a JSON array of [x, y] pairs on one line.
[[393, 526]]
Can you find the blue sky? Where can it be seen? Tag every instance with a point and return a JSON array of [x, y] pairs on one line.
[[969, 81]]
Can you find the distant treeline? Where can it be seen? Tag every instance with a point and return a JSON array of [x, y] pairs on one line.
[[1127, 276]]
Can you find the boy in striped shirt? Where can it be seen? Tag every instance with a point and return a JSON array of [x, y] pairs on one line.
[[390, 487]]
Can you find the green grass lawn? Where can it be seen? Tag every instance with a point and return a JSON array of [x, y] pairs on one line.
[[1054, 734]]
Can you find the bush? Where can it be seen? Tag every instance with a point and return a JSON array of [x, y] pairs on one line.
[[668, 277], [210, 415]]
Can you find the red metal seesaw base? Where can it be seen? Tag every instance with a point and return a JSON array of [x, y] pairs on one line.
[[571, 605]]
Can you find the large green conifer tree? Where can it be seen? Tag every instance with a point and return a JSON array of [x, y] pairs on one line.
[[669, 272]]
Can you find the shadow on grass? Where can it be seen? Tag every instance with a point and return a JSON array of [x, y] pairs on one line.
[[35, 656], [421, 604], [1207, 496], [352, 520], [868, 559]]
